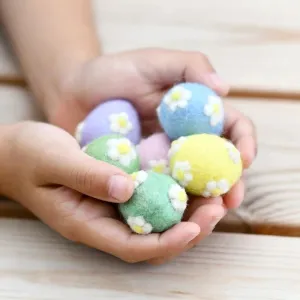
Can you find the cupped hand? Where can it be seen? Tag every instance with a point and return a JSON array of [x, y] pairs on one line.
[[143, 76], [75, 195]]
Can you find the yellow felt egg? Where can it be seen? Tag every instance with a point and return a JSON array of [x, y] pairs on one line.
[[205, 164]]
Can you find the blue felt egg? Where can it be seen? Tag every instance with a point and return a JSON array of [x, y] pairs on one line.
[[191, 108]]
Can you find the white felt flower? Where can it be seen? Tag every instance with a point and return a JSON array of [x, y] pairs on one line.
[[214, 110], [139, 225], [234, 153], [159, 166], [175, 146], [178, 197], [84, 148], [139, 177], [122, 150], [120, 123], [177, 97], [216, 188], [182, 173], [78, 132], [158, 111]]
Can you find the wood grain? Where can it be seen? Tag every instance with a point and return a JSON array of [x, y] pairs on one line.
[[36, 263], [272, 199], [254, 45]]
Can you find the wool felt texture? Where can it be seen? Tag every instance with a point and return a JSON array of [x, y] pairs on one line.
[[111, 117], [153, 153], [206, 165], [191, 108], [115, 150], [157, 203]]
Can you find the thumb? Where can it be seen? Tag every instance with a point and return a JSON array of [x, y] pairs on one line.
[[89, 176]]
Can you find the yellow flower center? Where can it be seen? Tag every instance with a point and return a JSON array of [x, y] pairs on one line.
[[216, 192], [180, 175], [176, 96], [123, 148], [216, 108], [182, 196], [138, 229], [122, 122], [134, 176], [158, 168]]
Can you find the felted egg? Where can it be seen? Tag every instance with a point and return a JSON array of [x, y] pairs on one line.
[[153, 153], [115, 150], [111, 117], [191, 108], [158, 203], [205, 165]]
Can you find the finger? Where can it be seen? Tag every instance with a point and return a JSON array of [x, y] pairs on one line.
[[91, 222], [88, 176], [196, 202], [235, 196], [206, 216], [114, 237], [167, 67], [241, 131]]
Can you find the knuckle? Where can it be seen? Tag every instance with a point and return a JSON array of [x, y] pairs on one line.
[[203, 56], [69, 233], [130, 253], [84, 179], [67, 218]]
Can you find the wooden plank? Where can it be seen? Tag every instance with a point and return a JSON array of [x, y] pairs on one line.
[[17, 104], [272, 200], [10, 209], [255, 48], [36, 263]]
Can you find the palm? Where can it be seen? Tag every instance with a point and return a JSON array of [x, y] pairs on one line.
[[142, 77]]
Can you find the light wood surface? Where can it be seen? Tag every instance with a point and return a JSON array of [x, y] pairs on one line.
[[253, 44], [36, 263], [17, 104], [272, 199]]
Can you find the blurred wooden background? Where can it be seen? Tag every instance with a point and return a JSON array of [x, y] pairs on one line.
[[255, 46]]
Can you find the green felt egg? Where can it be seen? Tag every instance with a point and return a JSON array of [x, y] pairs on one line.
[[157, 203], [115, 150]]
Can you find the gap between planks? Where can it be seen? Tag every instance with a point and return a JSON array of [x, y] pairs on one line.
[[235, 92]]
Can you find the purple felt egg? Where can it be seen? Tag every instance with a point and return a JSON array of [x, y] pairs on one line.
[[111, 117], [153, 153]]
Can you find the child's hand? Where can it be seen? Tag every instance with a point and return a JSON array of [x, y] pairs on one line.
[[143, 76], [44, 169]]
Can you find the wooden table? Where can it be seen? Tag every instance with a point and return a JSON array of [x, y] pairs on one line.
[[255, 254], [36, 263]]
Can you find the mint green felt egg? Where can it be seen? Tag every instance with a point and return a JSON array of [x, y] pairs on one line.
[[157, 203], [116, 150]]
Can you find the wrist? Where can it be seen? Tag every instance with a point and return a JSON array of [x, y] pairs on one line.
[[53, 87]]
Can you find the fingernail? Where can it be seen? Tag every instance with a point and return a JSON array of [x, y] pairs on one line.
[[192, 234], [214, 81], [119, 188], [214, 222]]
